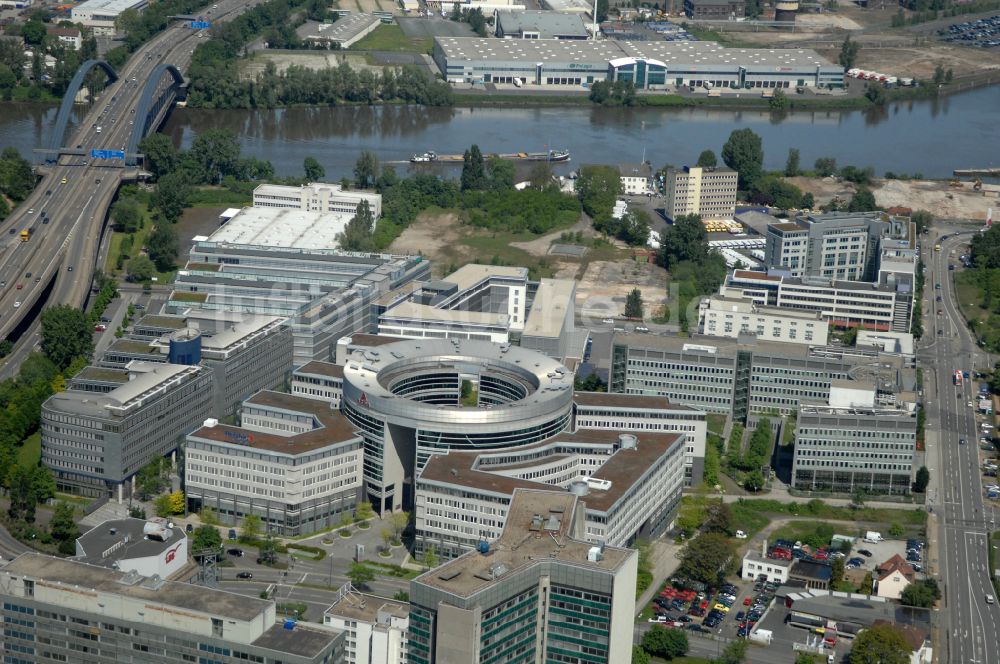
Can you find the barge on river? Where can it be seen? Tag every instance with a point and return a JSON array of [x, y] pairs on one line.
[[434, 158]]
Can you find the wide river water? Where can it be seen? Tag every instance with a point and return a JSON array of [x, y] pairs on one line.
[[930, 137]]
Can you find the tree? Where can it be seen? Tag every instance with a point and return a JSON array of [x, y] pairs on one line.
[[684, 240], [706, 557], [206, 537], [718, 518], [473, 169], [922, 479], [921, 593], [314, 170], [744, 153], [778, 101], [707, 159], [215, 152], [360, 575], [639, 656], [252, 527], [540, 175], [922, 219], [633, 304], [161, 505], [430, 557], [807, 201], [399, 520], [754, 481], [17, 179], [33, 32], [365, 169], [359, 234], [858, 499], [867, 584], [151, 478], [208, 516], [602, 10], [863, 200], [502, 173], [880, 644], [66, 335], [364, 511], [837, 571], [848, 53], [939, 74], [63, 528], [125, 215], [875, 93], [949, 75], [734, 653], [805, 658], [177, 502], [160, 157], [387, 537], [665, 643], [792, 163], [825, 166], [598, 187], [22, 495], [173, 190], [163, 247], [140, 269]]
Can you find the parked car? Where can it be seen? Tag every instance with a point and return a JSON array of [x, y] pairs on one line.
[[865, 552], [235, 552]]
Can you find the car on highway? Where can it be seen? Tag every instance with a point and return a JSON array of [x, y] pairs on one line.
[[13, 230], [69, 269], [37, 279], [989, 599], [961, 441], [244, 575], [937, 286], [48, 192], [20, 286], [31, 211], [235, 552], [17, 303], [63, 181], [27, 275], [970, 404]]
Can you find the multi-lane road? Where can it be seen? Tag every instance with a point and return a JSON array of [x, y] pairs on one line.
[[66, 212], [970, 626]]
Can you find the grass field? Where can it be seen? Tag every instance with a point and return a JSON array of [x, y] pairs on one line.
[[138, 241], [969, 295], [30, 452], [716, 422], [392, 38], [218, 197]]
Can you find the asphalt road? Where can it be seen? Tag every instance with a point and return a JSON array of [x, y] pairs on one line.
[[970, 626]]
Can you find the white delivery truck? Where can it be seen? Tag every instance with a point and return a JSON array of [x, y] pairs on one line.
[[873, 537]]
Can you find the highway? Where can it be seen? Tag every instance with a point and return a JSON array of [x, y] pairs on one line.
[[67, 210], [970, 627]]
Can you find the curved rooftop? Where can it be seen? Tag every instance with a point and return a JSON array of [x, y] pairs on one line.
[[417, 381]]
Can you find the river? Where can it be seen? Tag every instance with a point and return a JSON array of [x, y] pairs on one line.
[[931, 137]]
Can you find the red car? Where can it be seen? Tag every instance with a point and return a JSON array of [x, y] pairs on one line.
[[20, 286], [100, 328], [747, 601]]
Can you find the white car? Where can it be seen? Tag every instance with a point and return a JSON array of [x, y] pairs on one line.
[[741, 535], [970, 404], [609, 321], [17, 303]]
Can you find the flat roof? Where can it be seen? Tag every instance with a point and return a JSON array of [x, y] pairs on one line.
[[469, 275], [789, 226], [621, 468], [362, 606], [852, 607], [163, 321], [100, 374], [73, 574], [100, 538], [146, 378], [551, 304], [303, 640], [239, 332], [429, 313], [108, 6], [132, 347], [518, 548], [333, 427], [317, 368], [545, 22], [637, 401], [346, 27], [747, 305], [282, 227], [599, 53]]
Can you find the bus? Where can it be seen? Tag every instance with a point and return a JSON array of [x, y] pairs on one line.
[[25, 235], [937, 247], [958, 377]]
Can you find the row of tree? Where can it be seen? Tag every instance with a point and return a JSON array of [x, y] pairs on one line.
[[17, 179]]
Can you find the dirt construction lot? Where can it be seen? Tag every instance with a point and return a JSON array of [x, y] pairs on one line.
[[938, 197]]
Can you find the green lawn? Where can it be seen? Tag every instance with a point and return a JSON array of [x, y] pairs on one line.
[[30, 452], [716, 422], [969, 295], [218, 197], [138, 241], [391, 38]]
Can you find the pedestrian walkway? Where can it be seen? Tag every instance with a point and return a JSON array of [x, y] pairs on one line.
[[664, 558]]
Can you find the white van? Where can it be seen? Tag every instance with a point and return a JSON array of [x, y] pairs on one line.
[[873, 537]]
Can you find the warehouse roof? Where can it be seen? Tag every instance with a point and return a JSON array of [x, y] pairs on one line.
[[599, 53], [548, 24], [345, 28], [283, 227]]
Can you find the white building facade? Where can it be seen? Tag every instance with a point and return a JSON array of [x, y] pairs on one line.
[[375, 627], [316, 197], [720, 316]]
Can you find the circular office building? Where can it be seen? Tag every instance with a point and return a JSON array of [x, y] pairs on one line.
[[414, 398]]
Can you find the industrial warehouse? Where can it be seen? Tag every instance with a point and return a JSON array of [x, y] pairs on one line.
[[648, 64]]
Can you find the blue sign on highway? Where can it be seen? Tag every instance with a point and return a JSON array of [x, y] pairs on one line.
[[107, 154], [200, 25]]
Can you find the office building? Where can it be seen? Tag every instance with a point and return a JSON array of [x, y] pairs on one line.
[[260, 268], [100, 15], [147, 547], [415, 398], [292, 461], [95, 443], [743, 376], [319, 380], [715, 10], [343, 33], [58, 610], [654, 65], [316, 196], [374, 627], [536, 24], [629, 484], [707, 192], [885, 306], [853, 444], [721, 316], [757, 565], [635, 178], [540, 592], [846, 246]]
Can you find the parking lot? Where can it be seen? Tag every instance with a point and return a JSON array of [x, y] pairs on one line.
[[729, 611], [984, 33]]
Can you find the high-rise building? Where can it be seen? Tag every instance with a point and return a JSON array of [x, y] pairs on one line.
[[708, 192], [58, 610], [540, 592], [375, 627]]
